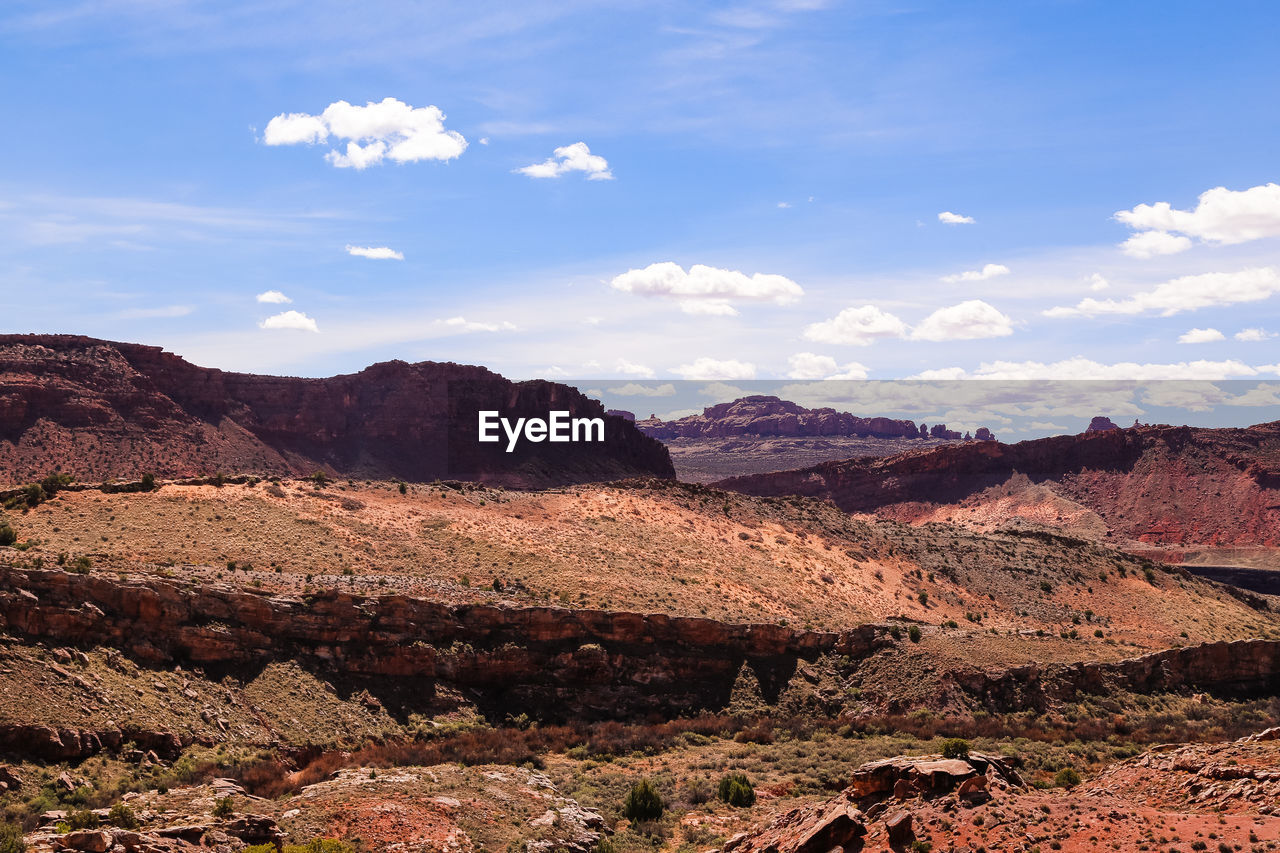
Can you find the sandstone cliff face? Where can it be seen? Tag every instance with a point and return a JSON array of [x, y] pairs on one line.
[[1167, 485], [771, 416], [102, 409], [547, 661]]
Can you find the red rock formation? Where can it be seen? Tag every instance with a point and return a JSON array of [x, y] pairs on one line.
[[770, 416], [1101, 424], [101, 409], [1156, 484]]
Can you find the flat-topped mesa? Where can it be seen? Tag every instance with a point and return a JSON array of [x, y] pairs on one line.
[[101, 409], [762, 415]]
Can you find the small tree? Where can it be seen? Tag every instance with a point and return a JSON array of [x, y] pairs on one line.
[[643, 802], [955, 748], [403, 488], [1067, 777], [122, 816], [148, 482], [224, 807], [7, 534], [11, 838], [913, 633], [736, 790]]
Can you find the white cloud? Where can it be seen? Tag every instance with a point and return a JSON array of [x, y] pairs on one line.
[[969, 320], [707, 290], [377, 253], [856, 327], [389, 129], [1148, 244], [1252, 335], [711, 368], [1084, 368], [783, 205], [1201, 336], [988, 271], [630, 368], [948, 218], [273, 297], [721, 392], [1184, 294], [1097, 282], [709, 308], [635, 389], [290, 320], [1220, 216], [570, 158], [807, 365], [464, 325]]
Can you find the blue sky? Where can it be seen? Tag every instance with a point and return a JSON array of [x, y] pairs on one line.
[[768, 204]]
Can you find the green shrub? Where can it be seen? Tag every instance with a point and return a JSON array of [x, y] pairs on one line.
[[604, 845], [7, 534], [122, 816], [923, 596], [1067, 777], [224, 807], [11, 838], [82, 565], [148, 482], [736, 790], [913, 633], [955, 748], [82, 819], [403, 488], [643, 802]]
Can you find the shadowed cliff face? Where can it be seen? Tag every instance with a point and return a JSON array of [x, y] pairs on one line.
[[103, 409], [1161, 485]]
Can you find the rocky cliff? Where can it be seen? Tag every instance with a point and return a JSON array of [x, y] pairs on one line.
[[547, 661], [771, 416], [102, 409], [1153, 484]]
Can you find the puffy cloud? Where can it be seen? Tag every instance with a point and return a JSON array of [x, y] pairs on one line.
[[988, 271], [635, 389], [807, 365], [290, 320], [462, 324], [946, 217], [710, 368], [1220, 216], [1084, 368], [1097, 282], [969, 320], [1252, 335], [377, 253], [710, 308], [707, 290], [570, 158], [1148, 244], [1184, 294], [389, 129], [1201, 336], [630, 368], [273, 297], [856, 327]]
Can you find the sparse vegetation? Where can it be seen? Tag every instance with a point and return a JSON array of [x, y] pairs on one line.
[[736, 790], [643, 802]]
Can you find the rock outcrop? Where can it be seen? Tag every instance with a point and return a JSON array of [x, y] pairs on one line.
[[1153, 484], [100, 409], [762, 415], [1102, 424], [550, 662]]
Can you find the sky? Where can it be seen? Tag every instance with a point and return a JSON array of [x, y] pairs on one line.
[[785, 190]]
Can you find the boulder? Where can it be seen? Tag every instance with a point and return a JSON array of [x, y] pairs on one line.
[[810, 829], [89, 840], [899, 828]]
